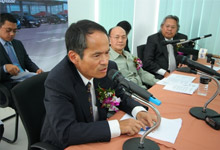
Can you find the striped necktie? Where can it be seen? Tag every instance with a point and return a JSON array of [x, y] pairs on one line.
[[88, 86], [12, 55]]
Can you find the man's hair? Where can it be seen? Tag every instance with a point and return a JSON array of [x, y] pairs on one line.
[[76, 34], [7, 17], [171, 17], [125, 25]]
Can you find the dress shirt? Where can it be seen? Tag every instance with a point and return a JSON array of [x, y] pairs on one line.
[[128, 69], [171, 57]]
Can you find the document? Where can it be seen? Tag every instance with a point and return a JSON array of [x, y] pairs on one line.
[[183, 88], [167, 131], [22, 76], [179, 83], [176, 79]]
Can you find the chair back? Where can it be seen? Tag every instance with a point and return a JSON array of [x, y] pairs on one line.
[[5, 96], [140, 51], [28, 98]]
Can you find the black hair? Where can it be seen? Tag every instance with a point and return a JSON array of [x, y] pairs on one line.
[[75, 36], [7, 17], [125, 25]]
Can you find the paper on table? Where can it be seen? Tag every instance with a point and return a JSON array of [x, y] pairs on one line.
[[183, 88], [176, 79], [167, 131]]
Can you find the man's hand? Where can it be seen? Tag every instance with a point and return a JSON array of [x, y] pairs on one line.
[[130, 126], [39, 71], [146, 118], [12, 69], [166, 74]]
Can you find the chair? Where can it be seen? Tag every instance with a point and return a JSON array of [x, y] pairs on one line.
[[140, 51], [1, 130], [6, 103], [28, 98]]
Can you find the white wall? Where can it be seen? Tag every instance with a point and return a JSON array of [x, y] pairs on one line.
[[145, 21], [81, 9]]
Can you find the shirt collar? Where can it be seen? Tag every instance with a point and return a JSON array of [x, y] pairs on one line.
[[114, 54], [168, 39], [3, 42], [85, 80]]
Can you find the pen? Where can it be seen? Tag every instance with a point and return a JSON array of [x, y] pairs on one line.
[[147, 128]]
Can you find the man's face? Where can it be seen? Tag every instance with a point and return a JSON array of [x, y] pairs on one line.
[[169, 28], [118, 39], [8, 31], [95, 58]]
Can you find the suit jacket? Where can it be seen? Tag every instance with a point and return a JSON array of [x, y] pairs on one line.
[[24, 60], [156, 55], [22, 56], [68, 120]]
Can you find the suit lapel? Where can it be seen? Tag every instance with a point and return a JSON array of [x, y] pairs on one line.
[[3, 52], [103, 84], [83, 100], [163, 47]]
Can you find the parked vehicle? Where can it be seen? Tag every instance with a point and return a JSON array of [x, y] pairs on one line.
[[30, 21], [56, 19]]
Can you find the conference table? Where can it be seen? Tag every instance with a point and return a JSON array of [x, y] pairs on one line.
[[194, 134]]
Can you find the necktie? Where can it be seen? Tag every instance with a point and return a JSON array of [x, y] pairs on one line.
[[172, 60], [90, 99], [12, 56]]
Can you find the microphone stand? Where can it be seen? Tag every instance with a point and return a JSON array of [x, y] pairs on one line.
[[143, 143], [202, 112]]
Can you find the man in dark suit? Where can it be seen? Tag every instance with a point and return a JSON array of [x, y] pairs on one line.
[[8, 68], [71, 118], [159, 58]]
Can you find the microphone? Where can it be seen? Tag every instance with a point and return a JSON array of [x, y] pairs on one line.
[[186, 69], [172, 41], [212, 55], [194, 65], [194, 39], [131, 87]]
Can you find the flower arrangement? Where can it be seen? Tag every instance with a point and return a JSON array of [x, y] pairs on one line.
[[138, 63], [108, 99]]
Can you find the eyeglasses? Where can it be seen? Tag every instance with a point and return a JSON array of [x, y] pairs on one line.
[[169, 26], [118, 37], [8, 30]]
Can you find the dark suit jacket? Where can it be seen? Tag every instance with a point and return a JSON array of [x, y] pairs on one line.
[[156, 55], [23, 59], [68, 120]]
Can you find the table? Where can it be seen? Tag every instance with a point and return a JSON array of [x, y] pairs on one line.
[[194, 134]]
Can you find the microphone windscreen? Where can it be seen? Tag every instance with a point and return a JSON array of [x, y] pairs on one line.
[[181, 59], [112, 74]]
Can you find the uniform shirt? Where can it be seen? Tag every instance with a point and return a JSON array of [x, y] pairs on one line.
[[128, 69]]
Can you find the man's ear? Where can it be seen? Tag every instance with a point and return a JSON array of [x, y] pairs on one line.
[[73, 56]]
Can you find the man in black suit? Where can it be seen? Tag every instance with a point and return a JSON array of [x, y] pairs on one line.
[[8, 29], [70, 117], [159, 58]]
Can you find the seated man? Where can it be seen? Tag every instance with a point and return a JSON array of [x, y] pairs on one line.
[[13, 55], [128, 65], [160, 59], [75, 110]]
